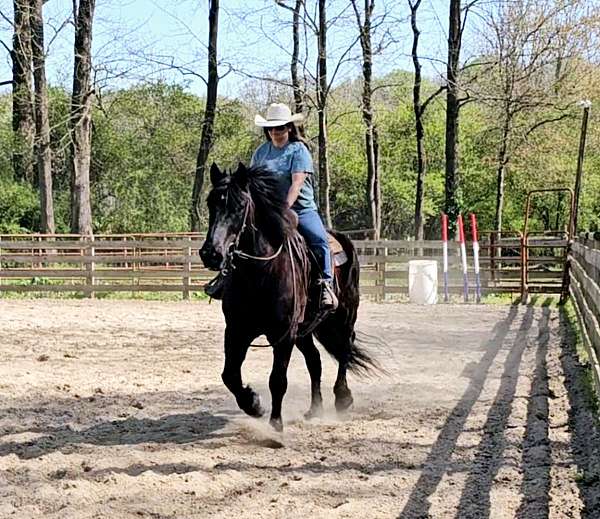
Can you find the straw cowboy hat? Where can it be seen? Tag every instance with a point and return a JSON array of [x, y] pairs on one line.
[[278, 114]]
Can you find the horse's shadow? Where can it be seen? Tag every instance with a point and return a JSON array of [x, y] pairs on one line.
[[176, 428]]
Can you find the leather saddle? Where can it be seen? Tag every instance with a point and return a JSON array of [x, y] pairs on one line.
[[338, 255]]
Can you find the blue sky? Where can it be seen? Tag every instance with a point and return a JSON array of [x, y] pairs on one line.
[[137, 39]]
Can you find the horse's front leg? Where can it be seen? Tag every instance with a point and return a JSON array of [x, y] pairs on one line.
[[278, 380], [236, 347]]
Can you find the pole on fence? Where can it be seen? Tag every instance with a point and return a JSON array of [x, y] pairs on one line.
[[463, 256], [187, 267], [524, 259], [492, 256], [445, 254], [476, 257], [584, 124], [380, 281], [90, 252]]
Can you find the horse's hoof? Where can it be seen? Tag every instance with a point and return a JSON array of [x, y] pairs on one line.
[[256, 410], [314, 412], [277, 424], [250, 404], [343, 403]]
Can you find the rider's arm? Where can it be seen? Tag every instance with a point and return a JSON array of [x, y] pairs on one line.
[[298, 178]]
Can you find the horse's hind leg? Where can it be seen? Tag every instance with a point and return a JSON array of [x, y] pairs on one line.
[[313, 362], [278, 381], [339, 343], [343, 395], [236, 348]]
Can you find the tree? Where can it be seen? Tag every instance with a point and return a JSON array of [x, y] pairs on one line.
[[373, 191], [322, 94], [206, 139], [42, 123], [81, 118], [297, 83], [419, 107], [535, 47], [23, 118], [452, 202], [313, 21]]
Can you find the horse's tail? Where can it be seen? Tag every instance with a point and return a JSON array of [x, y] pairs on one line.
[[337, 333], [362, 362]]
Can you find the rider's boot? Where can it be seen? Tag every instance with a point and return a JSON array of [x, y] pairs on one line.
[[329, 300]]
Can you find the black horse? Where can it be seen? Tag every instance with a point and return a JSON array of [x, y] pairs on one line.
[[252, 239]]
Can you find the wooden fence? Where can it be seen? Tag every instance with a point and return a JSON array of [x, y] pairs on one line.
[[584, 271], [170, 262], [106, 263]]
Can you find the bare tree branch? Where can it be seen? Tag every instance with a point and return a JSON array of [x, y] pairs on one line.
[[432, 97]]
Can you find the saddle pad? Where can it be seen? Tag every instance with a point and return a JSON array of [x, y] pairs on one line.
[[334, 245]]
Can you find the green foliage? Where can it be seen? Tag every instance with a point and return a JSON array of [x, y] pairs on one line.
[[146, 138], [6, 137], [144, 147], [19, 207]]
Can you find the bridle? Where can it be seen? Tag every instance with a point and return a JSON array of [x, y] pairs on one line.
[[234, 251]]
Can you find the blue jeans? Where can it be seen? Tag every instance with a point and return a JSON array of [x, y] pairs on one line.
[[311, 228]]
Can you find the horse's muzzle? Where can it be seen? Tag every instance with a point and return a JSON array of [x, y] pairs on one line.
[[210, 257]]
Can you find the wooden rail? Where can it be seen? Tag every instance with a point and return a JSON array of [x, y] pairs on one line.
[[584, 288], [106, 263], [170, 262]]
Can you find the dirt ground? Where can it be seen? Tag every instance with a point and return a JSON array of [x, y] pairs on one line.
[[115, 409]]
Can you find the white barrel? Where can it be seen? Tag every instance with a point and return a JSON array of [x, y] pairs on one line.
[[422, 282]]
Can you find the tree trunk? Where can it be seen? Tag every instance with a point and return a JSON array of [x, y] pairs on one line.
[[420, 132], [297, 85], [452, 202], [81, 119], [502, 161], [206, 139], [42, 121], [322, 109], [373, 193], [500, 173], [23, 124]]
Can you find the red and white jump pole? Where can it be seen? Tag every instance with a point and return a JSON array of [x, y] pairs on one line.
[[463, 256], [445, 254], [476, 256]]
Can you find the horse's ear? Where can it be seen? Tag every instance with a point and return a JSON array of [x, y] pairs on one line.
[[216, 175], [241, 175]]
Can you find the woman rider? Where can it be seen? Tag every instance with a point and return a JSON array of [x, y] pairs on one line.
[[286, 155]]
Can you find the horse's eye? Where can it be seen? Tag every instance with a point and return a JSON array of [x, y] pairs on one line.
[[223, 197]]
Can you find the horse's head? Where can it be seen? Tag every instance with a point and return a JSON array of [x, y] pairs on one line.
[[227, 210]]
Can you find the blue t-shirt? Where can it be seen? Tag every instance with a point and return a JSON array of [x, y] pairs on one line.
[[294, 157]]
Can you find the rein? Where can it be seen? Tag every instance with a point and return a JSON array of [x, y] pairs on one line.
[[240, 254], [243, 255]]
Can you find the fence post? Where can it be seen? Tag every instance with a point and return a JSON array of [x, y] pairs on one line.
[[566, 278], [187, 267], [90, 252], [380, 268], [524, 288]]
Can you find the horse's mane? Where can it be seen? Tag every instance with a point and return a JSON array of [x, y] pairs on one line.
[[268, 208]]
